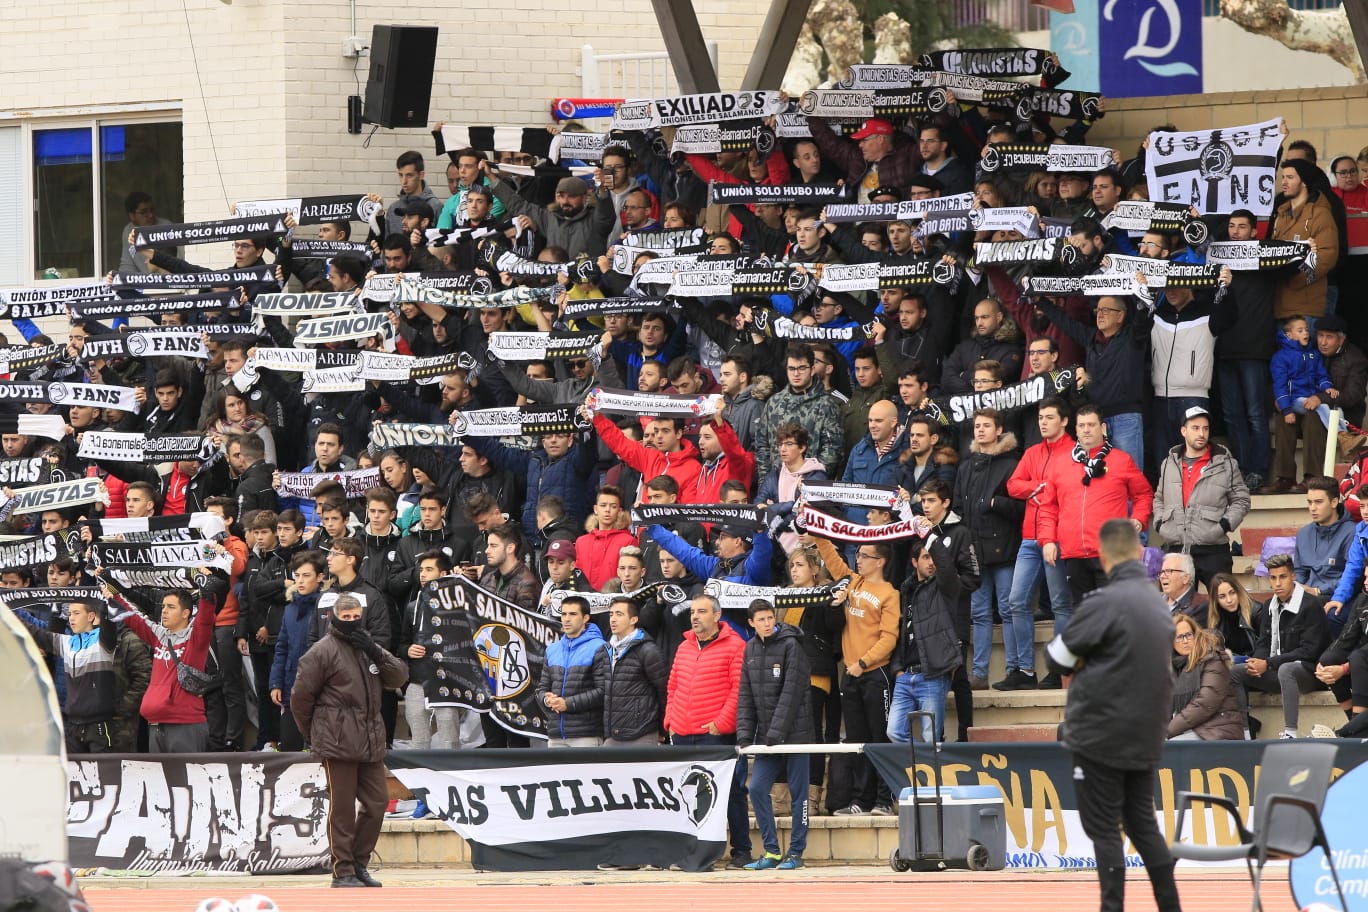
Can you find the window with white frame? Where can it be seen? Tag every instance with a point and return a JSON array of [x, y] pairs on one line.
[[79, 175]]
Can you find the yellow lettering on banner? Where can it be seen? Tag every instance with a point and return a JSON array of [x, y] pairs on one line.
[[1047, 812], [1240, 791], [1013, 803]]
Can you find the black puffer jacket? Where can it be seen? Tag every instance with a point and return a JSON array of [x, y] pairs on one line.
[[634, 679], [419, 541], [775, 677], [927, 641], [380, 565], [991, 515], [1123, 637]]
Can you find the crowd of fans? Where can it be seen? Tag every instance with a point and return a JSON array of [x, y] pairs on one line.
[[1006, 501]]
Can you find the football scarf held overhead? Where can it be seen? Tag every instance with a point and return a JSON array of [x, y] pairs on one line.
[[152, 304], [669, 239], [313, 249], [151, 525], [1044, 250], [588, 147], [184, 341], [312, 304], [736, 598], [538, 346], [1029, 101], [748, 194], [601, 307], [67, 394], [388, 435], [921, 271], [301, 484], [624, 402], [1009, 399], [890, 103], [211, 232], [339, 329], [313, 210], [1139, 216], [771, 323], [1217, 171], [993, 61], [114, 446], [188, 554], [452, 138], [206, 278], [1095, 285], [332, 380], [425, 371], [24, 471], [1247, 256], [487, 652], [56, 496], [1024, 157], [710, 139], [747, 515], [23, 357], [25, 552], [695, 109], [30, 598], [165, 578], [882, 497], [828, 526], [513, 421], [48, 300]]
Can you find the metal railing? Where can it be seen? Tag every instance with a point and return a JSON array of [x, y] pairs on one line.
[[638, 74], [1013, 15], [1213, 7]]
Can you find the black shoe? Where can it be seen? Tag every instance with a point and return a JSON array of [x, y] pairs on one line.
[[1017, 680], [348, 881], [363, 875], [1050, 682], [739, 862]]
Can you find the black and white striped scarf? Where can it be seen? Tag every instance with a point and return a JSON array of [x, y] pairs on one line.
[[1096, 466]]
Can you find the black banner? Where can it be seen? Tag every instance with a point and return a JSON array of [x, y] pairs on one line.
[[26, 552], [1040, 808], [213, 232], [747, 515], [1029, 157], [486, 653], [313, 210], [152, 304], [324, 249], [198, 813], [542, 810], [24, 357], [745, 194], [599, 307], [206, 278], [925, 271], [1009, 399], [992, 61]]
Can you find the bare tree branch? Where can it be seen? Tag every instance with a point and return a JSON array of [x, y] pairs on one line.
[[1323, 32]]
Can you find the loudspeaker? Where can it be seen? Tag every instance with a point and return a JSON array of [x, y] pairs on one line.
[[399, 86]]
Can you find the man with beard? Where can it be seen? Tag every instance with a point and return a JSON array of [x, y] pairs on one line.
[[571, 224], [995, 338]]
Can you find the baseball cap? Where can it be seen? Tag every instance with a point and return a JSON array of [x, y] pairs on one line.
[[734, 530], [1195, 412], [873, 127], [562, 548], [415, 207], [887, 191], [574, 186], [1332, 323]]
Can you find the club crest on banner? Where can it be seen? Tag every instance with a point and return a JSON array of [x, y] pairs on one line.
[[698, 790], [503, 657]]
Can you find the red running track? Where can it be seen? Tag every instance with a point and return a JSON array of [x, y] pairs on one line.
[[812, 890]]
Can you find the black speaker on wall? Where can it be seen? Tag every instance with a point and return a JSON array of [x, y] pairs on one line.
[[399, 87]]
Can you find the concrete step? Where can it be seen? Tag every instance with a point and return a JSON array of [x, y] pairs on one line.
[[1014, 733]]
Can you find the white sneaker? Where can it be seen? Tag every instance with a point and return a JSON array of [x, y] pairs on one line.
[[1323, 731], [1286, 734]]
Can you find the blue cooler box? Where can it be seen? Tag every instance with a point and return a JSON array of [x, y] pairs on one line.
[[965, 827]]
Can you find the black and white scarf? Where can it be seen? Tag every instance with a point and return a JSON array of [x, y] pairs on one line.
[[356, 482], [627, 402], [746, 194], [747, 515], [1093, 466], [204, 278], [314, 210], [452, 138], [211, 232], [99, 309], [515, 421]]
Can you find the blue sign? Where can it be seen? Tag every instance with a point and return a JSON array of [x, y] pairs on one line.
[[1342, 817], [1151, 47], [1073, 38]]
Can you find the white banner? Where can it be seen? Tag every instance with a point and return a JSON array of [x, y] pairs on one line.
[[628, 403], [314, 304], [341, 329], [332, 380], [384, 366], [57, 496], [1218, 171], [96, 394]]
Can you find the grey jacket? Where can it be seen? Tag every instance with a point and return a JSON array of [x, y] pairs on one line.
[[743, 413], [394, 223], [584, 232], [1219, 501]]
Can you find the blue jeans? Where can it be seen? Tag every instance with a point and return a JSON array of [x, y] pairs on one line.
[[1244, 402], [1168, 418], [738, 820], [994, 581], [917, 693], [1018, 635], [764, 773], [1127, 434]]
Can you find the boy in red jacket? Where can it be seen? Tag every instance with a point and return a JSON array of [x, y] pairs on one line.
[[700, 708], [598, 548]]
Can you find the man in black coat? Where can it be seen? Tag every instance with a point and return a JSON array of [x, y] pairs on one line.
[[1119, 644], [634, 678], [1292, 635], [928, 650], [773, 709], [247, 460], [995, 338]]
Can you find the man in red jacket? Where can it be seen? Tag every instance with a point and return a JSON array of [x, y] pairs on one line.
[[1095, 484], [665, 452], [723, 459], [700, 707], [598, 548], [1030, 483]]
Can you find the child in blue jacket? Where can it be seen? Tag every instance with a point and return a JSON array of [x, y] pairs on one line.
[[1299, 373]]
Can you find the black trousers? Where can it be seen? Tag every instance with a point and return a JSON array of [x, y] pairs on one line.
[[864, 709], [225, 709], [1108, 800], [352, 831], [89, 738], [291, 738], [826, 726], [268, 714], [1085, 575]]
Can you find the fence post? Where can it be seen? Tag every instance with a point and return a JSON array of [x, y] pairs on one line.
[[589, 74]]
